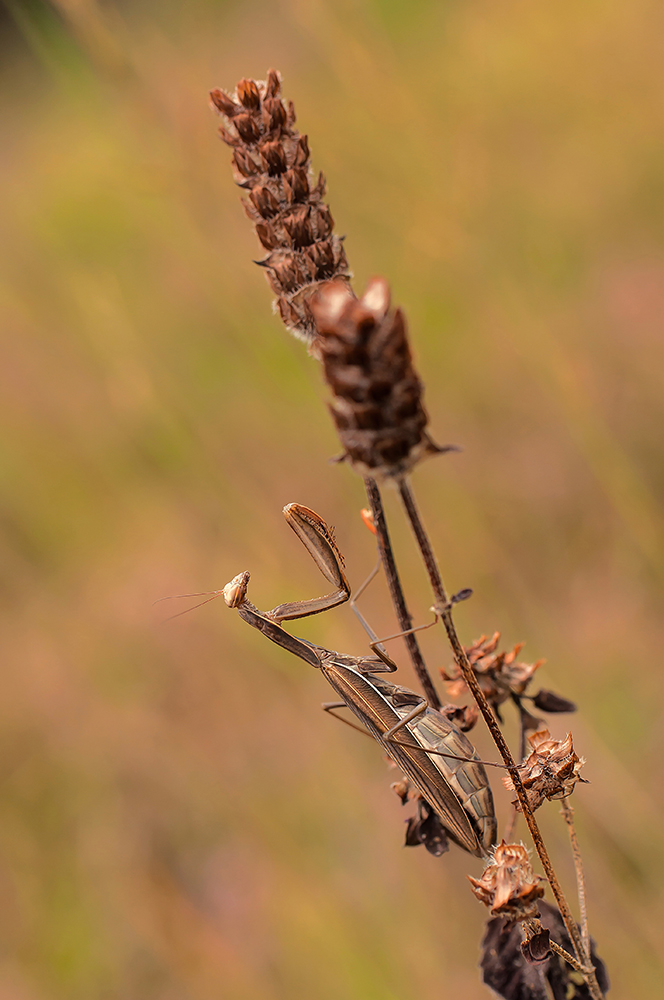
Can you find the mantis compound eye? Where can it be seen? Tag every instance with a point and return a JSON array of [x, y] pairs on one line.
[[236, 591]]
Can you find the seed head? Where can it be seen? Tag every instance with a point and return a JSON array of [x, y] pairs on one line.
[[550, 771], [376, 393], [271, 162], [499, 674], [508, 885]]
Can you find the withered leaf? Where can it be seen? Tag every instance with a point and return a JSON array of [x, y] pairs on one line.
[[537, 949], [505, 969], [426, 828], [548, 701]]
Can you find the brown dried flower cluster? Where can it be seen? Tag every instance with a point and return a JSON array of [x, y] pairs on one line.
[[272, 163], [377, 395], [550, 771], [499, 674], [508, 885]]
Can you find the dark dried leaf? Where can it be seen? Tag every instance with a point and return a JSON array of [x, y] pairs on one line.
[[538, 948], [426, 828], [547, 701], [413, 838], [432, 832], [506, 971]]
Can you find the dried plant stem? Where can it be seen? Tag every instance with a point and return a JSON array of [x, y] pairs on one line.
[[396, 591], [445, 610], [568, 815], [511, 823], [509, 829], [585, 970]]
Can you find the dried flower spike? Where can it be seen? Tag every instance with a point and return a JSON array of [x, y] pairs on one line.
[[508, 885], [499, 675], [272, 163], [377, 395], [550, 771]]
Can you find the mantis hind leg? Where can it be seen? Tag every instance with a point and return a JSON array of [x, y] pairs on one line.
[[376, 644], [333, 706]]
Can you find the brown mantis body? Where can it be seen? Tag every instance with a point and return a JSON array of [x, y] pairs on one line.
[[436, 757]]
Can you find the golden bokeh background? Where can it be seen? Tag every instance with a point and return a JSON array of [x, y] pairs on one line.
[[178, 820]]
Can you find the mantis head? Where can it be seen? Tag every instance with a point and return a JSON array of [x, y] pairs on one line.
[[236, 591]]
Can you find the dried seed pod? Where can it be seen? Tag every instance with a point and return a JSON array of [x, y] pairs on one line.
[[464, 717], [426, 828], [377, 395], [272, 163], [499, 675], [550, 771], [508, 885], [537, 948], [549, 701]]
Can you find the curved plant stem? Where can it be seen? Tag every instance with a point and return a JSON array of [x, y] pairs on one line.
[[568, 815], [444, 608], [396, 591]]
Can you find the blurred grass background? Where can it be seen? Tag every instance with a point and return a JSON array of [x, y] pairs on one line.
[[177, 819]]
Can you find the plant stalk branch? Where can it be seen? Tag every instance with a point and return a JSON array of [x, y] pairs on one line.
[[444, 608], [568, 816], [396, 592]]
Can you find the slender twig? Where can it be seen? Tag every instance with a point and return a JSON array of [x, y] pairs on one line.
[[396, 591], [585, 970], [522, 728], [568, 815], [511, 824], [444, 608]]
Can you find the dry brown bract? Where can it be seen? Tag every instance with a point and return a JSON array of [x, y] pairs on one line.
[[499, 675], [271, 161], [508, 886], [377, 395], [550, 771]]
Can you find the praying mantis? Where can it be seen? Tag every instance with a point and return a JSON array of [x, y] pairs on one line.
[[436, 757]]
